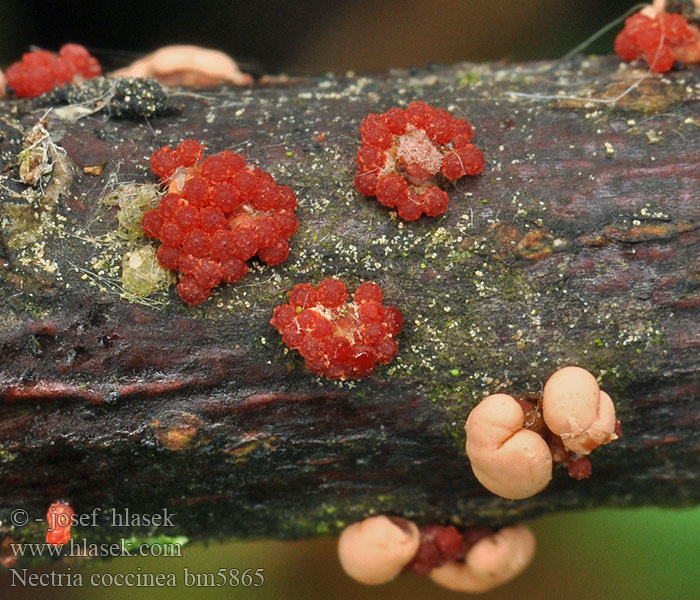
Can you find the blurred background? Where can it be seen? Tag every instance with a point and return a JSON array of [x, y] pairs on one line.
[[310, 36], [635, 554]]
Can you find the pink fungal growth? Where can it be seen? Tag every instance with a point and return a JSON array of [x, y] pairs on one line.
[[219, 212], [187, 66], [375, 550], [576, 410], [492, 561], [40, 71], [337, 338], [406, 155], [660, 40]]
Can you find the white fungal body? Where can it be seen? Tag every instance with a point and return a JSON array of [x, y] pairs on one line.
[[377, 549], [575, 409], [491, 562], [508, 460]]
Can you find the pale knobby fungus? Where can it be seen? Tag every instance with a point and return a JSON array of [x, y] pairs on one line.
[[507, 459], [187, 66], [376, 550], [575, 409], [492, 561]]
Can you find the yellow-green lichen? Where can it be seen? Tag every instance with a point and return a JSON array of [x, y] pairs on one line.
[[142, 275], [133, 200], [6, 456], [19, 224]]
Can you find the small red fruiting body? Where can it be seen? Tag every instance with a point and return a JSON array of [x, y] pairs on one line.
[[407, 154], [339, 339], [580, 468], [59, 517], [219, 212], [438, 545], [41, 71], [661, 40]]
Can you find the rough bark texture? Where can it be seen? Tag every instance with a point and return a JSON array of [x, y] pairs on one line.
[[580, 244]]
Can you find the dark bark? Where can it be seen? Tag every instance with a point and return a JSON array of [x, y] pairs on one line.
[[580, 244]]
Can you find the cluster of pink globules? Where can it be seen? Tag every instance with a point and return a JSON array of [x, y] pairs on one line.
[[406, 155], [339, 339]]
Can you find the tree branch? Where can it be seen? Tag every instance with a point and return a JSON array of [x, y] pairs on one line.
[[580, 244]]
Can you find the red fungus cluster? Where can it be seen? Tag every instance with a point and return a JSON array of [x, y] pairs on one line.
[[407, 154], [59, 517], [339, 339], [660, 41], [219, 212], [438, 545], [41, 71]]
